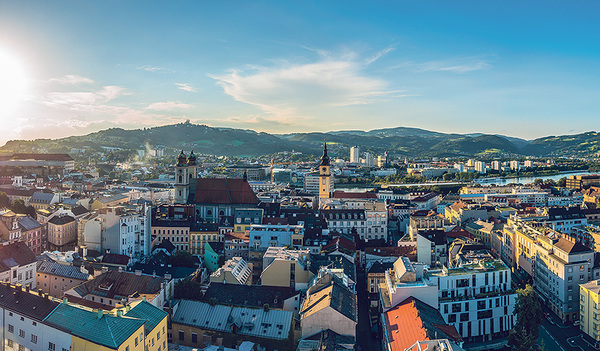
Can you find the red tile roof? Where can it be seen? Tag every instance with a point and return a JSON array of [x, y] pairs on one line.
[[224, 191], [411, 321]]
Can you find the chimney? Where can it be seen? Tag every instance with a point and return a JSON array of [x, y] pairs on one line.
[[27, 288], [65, 300], [120, 269], [138, 272], [85, 252], [100, 314], [127, 308], [104, 269], [154, 274], [119, 313]]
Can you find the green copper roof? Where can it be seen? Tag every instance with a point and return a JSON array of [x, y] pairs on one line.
[[148, 312], [109, 330]]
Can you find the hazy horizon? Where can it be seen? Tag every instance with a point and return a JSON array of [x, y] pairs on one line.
[[523, 70]]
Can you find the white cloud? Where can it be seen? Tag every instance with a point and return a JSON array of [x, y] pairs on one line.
[[71, 79], [379, 54], [167, 106], [150, 68], [295, 90], [454, 65], [186, 87], [83, 100]]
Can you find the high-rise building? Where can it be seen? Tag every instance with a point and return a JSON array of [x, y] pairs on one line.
[[368, 159], [355, 154], [480, 166]]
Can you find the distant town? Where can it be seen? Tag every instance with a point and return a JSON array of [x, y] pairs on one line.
[[180, 250]]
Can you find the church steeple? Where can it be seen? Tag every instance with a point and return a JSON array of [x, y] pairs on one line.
[[324, 175], [325, 159]]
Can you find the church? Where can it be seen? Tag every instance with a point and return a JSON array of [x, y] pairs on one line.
[[212, 198]]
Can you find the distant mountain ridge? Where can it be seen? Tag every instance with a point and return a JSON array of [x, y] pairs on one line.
[[399, 141]]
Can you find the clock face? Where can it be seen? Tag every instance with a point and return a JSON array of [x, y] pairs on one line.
[[324, 168]]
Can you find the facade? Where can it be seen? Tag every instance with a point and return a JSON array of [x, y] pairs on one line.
[[17, 264], [236, 245], [202, 233], [31, 234], [477, 298], [432, 248], [41, 164], [589, 309], [214, 198], [286, 268], [244, 217], [62, 232], [55, 278]]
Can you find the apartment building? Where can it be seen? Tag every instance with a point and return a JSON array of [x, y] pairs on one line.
[[17, 264], [286, 268], [477, 297], [55, 278], [589, 309], [556, 263]]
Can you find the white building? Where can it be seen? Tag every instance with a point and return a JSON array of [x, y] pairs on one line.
[[480, 167], [355, 154], [18, 264], [477, 298]]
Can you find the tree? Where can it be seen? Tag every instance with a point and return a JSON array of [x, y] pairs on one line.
[[538, 181], [562, 182], [4, 200], [529, 317]]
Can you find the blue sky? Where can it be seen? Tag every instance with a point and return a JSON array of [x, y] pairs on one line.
[[525, 69]]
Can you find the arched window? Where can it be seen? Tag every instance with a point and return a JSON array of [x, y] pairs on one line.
[[209, 212], [180, 179]]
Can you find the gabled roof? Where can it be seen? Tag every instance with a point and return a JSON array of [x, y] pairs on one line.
[[148, 312], [335, 296], [41, 198], [61, 270], [166, 244], [413, 320], [117, 285], [571, 247], [248, 295], [13, 254], [112, 258], [27, 223], [61, 220], [25, 303], [271, 324], [224, 191], [109, 330]]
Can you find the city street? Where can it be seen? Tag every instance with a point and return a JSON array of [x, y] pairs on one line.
[[364, 338], [556, 336]]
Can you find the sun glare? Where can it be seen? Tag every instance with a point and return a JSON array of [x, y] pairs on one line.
[[13, 84]]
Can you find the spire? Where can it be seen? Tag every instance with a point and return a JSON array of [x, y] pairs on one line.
[[182, 159], [192, 159], [245, 176], [324, 158]]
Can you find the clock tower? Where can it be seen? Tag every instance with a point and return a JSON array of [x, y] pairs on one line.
[[324, 175]]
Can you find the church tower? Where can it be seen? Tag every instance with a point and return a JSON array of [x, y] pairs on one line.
[[182, 180], [324, 175], [192, 166]]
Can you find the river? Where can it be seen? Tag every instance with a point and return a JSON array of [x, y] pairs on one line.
[[498, 181], [526, 180]]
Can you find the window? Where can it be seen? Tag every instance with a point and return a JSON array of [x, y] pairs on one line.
[[11, 328], [157, 335], [135, 341], [34, 339], [181, 335], [194, 338], [126, 348], [10, 343], [21, 348], [51, 346]]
